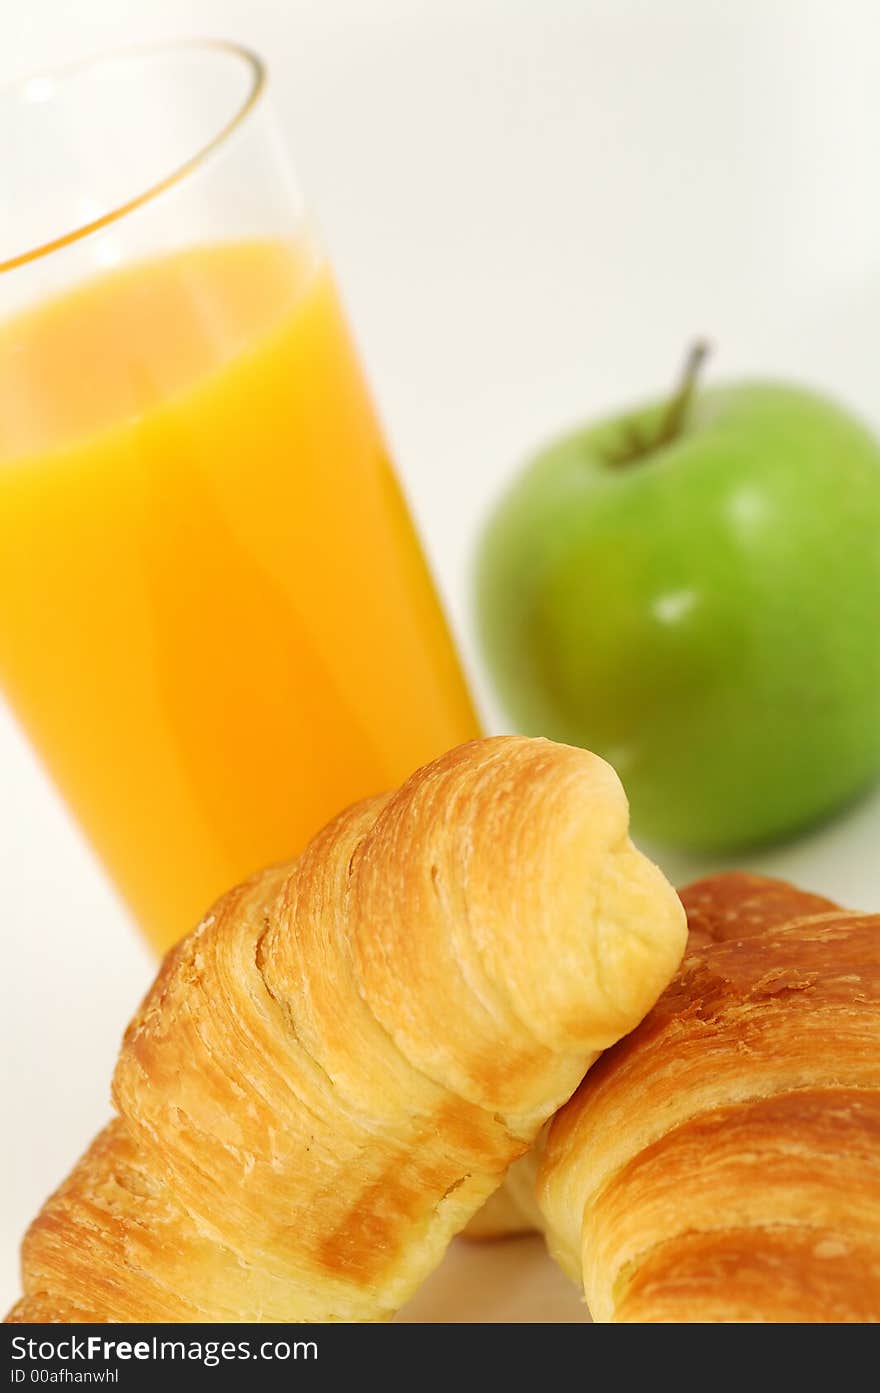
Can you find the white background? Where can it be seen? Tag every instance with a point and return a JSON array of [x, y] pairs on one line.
[[532, 205]]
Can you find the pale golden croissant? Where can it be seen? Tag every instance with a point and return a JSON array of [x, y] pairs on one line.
[[722, 1163], [334, 1070]]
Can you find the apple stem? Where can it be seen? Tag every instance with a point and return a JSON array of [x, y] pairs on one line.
[[635, 445], [677, 409]]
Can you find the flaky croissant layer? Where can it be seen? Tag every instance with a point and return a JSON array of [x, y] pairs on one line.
[[722, 1163], [333, 1072]]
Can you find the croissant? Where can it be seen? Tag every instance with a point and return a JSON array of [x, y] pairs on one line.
[[722, 1163], [735, 904], [334, 1070]]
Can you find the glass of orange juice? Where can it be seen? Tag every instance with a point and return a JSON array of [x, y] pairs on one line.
[[216, 622]]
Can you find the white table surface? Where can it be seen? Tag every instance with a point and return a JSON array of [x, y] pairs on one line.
[[521, 242]]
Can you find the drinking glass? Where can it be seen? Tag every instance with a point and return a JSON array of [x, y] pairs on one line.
[[216, 623]]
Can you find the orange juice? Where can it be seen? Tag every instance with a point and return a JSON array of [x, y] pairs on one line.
[[215, 620]]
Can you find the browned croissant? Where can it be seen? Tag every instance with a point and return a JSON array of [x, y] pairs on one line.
[[722, 1163], [334, 1070], [735, 904]]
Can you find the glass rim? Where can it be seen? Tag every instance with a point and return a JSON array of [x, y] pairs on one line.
[[258, 78]]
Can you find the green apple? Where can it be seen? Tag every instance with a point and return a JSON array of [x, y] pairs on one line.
[[692, 589]]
